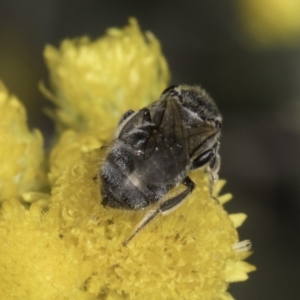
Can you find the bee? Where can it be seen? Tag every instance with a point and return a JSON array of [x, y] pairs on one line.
[[154, 149]]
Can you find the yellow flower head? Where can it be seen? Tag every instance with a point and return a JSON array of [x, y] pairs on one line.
[[66, 245], [97, 81], [22, 157]]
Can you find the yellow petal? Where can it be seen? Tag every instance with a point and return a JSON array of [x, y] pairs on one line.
[[238, 271], [238, 219], [225, 198]]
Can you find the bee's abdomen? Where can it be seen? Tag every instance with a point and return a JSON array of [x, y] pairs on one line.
[[121, 186]]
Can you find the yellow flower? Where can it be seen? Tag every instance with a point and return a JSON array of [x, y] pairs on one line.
[[21, 152], [65, 244], [97, 81]]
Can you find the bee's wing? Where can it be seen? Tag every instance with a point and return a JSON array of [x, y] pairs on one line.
[[174, 137], [168, 140], [198, 135]]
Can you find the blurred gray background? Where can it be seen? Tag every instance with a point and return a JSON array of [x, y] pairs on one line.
[[253, 77]]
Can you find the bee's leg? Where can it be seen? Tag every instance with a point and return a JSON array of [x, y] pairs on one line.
[[146, 116], [164, 208], [214, 167], [209, 158], [203, 159], [172, 203], [212, 159], [150, 216], [126, 115]]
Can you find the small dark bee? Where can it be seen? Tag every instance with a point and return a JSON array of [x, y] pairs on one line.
[[155, 148]]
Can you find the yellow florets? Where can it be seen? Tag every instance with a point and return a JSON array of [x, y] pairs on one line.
[[97, 81], [66, 245], [21, 151]]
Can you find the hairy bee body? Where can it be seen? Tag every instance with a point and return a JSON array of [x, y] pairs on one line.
[[155, 148]]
